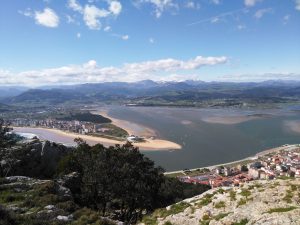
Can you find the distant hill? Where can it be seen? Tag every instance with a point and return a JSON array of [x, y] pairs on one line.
[[149, 92], [10, 91]]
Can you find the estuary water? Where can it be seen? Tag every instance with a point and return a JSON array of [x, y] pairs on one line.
[[213, 136]]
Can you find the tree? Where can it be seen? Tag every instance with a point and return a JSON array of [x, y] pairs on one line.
[[6, 139], [117, 178]]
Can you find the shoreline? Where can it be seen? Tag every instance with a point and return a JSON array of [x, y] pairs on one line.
[[149, 145], [126, 125], [256, 156]]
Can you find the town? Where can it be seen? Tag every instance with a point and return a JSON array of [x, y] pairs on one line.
[[279, 163], [106, 130]]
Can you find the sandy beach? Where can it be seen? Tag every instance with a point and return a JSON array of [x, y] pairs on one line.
[[131, 128], [66, 137]]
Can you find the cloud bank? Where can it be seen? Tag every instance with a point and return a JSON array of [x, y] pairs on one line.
[[90, 72]]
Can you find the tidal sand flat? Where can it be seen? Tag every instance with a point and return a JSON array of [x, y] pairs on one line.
[[131, 127], [68, 138]]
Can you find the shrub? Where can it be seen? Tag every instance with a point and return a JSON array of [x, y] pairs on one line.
[[220, 204], [168, 223], [242, 222], [281, 209], [242, 201], [232, 195], [221, 216]]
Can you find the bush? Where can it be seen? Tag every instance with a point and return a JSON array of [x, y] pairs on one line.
[[282, 209], [220, 204]]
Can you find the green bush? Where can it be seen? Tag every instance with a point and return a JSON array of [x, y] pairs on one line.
[[282, 209], [220, 204], [242, 222]]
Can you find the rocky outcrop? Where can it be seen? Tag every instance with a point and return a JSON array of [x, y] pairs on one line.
[[259, 202], [25, 200], [34, 159]]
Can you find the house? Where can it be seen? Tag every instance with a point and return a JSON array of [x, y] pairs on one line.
[[133, 138]]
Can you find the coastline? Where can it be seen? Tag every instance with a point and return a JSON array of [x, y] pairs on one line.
[[131, 128], [250, 158], [148, 145]]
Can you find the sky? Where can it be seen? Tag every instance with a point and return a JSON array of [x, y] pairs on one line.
[[55, 42]]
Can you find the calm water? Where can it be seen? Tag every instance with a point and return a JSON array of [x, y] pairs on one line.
[[206, 143]]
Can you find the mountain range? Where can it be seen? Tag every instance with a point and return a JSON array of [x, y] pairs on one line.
[[152, 92]]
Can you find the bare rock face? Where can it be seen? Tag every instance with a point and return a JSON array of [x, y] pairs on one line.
[[258, 202]]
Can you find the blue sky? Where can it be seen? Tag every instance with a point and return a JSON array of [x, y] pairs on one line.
[[79, 41]]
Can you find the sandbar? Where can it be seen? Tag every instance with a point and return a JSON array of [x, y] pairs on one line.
[[68, 137]]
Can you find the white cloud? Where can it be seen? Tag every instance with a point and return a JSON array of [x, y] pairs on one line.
[[107, 28], [27, 12], [91, 72], [47, 18], [115, 7], [75, 6], [78, 35], [251, 2], [159, 5], [91, 16], [215, 20], [192, 5], [216, 2], [261, 12], [70, 19], [125, 37], [297, 7]]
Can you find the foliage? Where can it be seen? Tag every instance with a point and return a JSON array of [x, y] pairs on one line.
[[242, 201], [86, 117], [220, 204], [6, 139], [282, 209], [172, 190], [242, 222], [221, 216], [205, 200], [232, 195], [115, 178]]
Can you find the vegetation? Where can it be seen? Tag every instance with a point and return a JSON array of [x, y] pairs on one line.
[[221, 216], [232, 195], [220, 204], [6, 139], [274, 210], [121, 179], [242, 222], [205, 200], [242, 201], [245, 193], [85, 117]]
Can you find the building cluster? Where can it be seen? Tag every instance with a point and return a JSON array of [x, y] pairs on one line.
[[74, 126], [282, 163]]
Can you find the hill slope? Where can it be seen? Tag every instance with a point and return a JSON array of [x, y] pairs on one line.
[[258, 202]]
